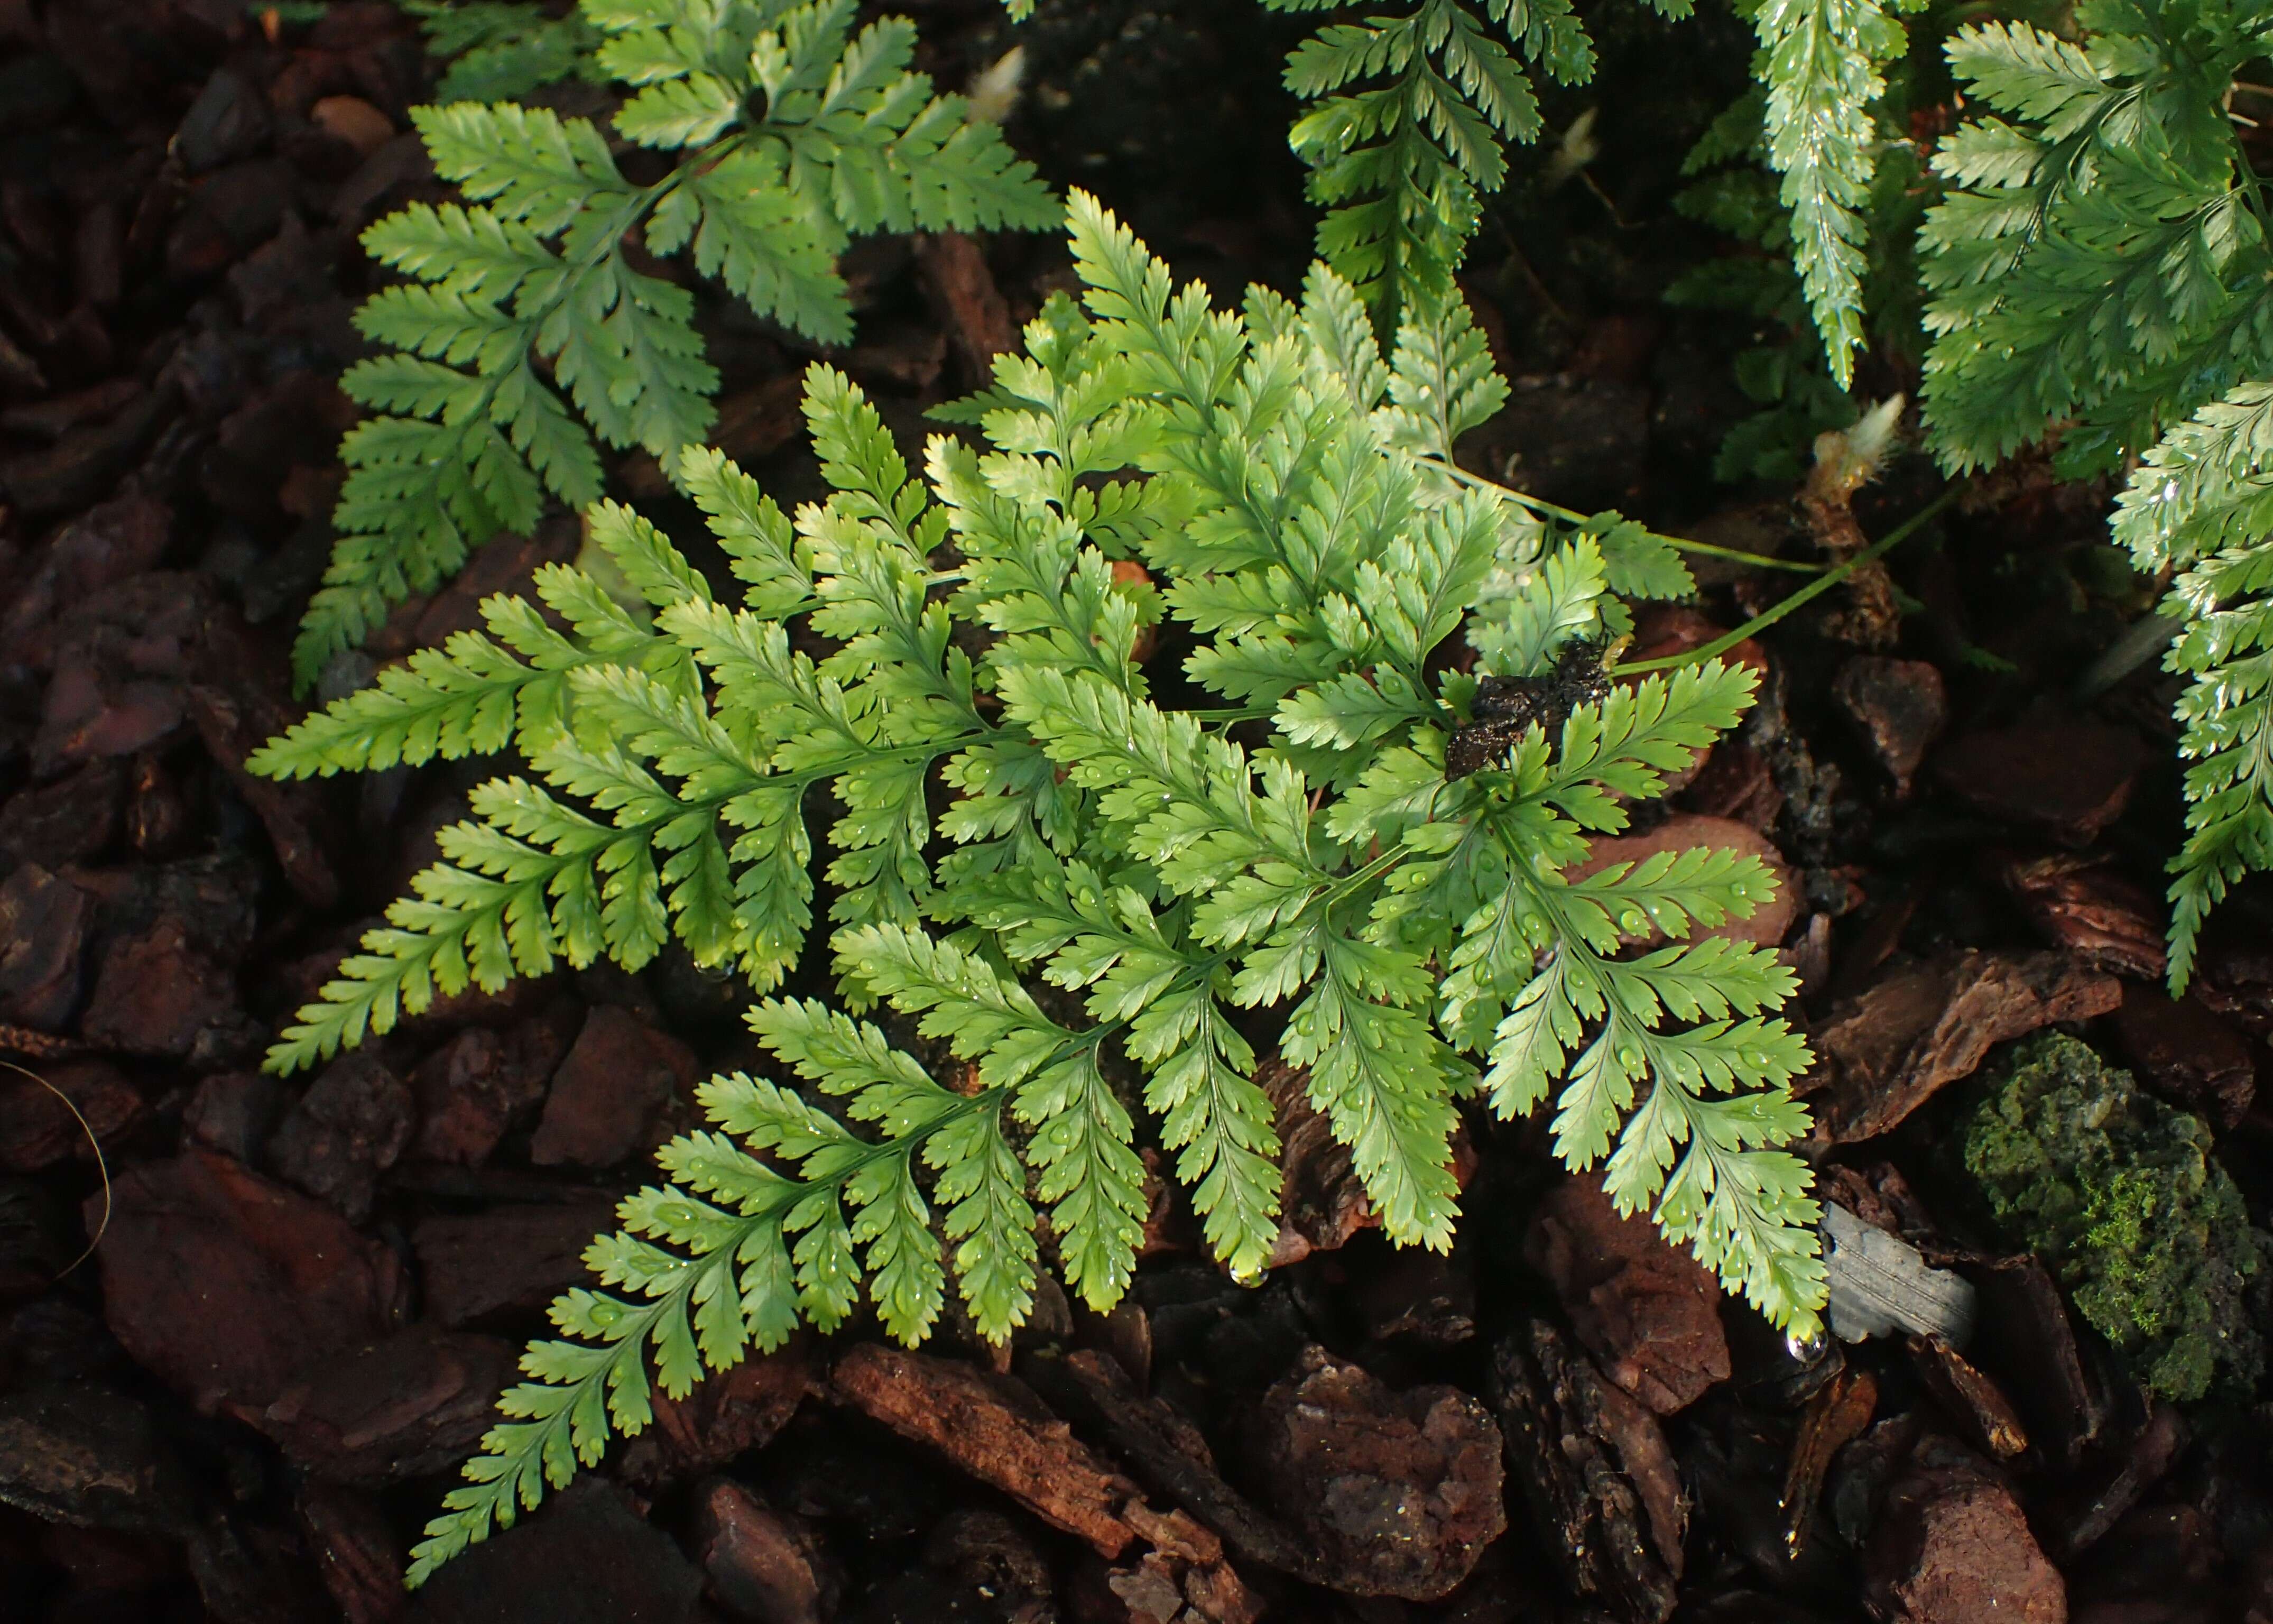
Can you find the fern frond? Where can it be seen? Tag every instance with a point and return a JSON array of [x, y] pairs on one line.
[[475, 436], [501, 50], [2202, 502], [1414, 106], [1820, 61], [1098, 904], [2102, 257]]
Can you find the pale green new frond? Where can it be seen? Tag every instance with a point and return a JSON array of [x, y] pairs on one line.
[[465, 698], [1527, 607], [1442, 382], [513, 894], [1667, 1064]]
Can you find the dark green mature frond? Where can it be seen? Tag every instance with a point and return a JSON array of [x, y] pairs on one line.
[[2202, 503], [1414, 104], [2102, 254], [503, 51], [2102, 261], [1096, 906], [523, 332]]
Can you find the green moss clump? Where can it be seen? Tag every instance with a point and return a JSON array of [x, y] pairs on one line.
[[2120, 1194]]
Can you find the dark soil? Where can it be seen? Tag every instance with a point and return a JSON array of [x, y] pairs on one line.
[[303, 1296]]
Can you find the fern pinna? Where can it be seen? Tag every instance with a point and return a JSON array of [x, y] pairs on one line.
[[1287, 864], [2101, 260], [791, 133]]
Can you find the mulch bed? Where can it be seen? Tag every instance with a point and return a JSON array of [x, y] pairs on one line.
[[304, 1295]]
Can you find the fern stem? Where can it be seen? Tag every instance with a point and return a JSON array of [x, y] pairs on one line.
[[1572, 516], [1814, 589]]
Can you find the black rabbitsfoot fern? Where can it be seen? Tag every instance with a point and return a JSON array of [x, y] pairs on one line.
[[792, 133], [1291, 866]]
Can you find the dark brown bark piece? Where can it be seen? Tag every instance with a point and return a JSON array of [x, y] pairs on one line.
[[1424, 1295], [616, 1079], [234, 717], [1183, 1578], [351, 1125], [585, 1557], [1736, 783], [761, 1564], [1582, 1452], [87, 463], [235, 1112], [2081, 905], [2187, 1053], [1835, 1417], [1920, 1028], [1952, 1547], [1400, 1492], [229, 120], [2068, 779], [39, 1130], [159, 993], [416, 1403], [478, 1084], [995, 1561], [1649, 1310], [2150, 1454], [1969, 1397], [357, 1554], [69, 821], [43, 927], [228, 1286], [94, 707], [101, 547], [2026, 1337], [728, 1414], [1898, 706], [1321, 1203], [955, 275], [1166, 1451], [83, 1454], [473, 1266], [995, 1430], [354, 122]]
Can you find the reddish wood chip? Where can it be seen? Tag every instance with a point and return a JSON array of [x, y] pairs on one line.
[[993, 1428]]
